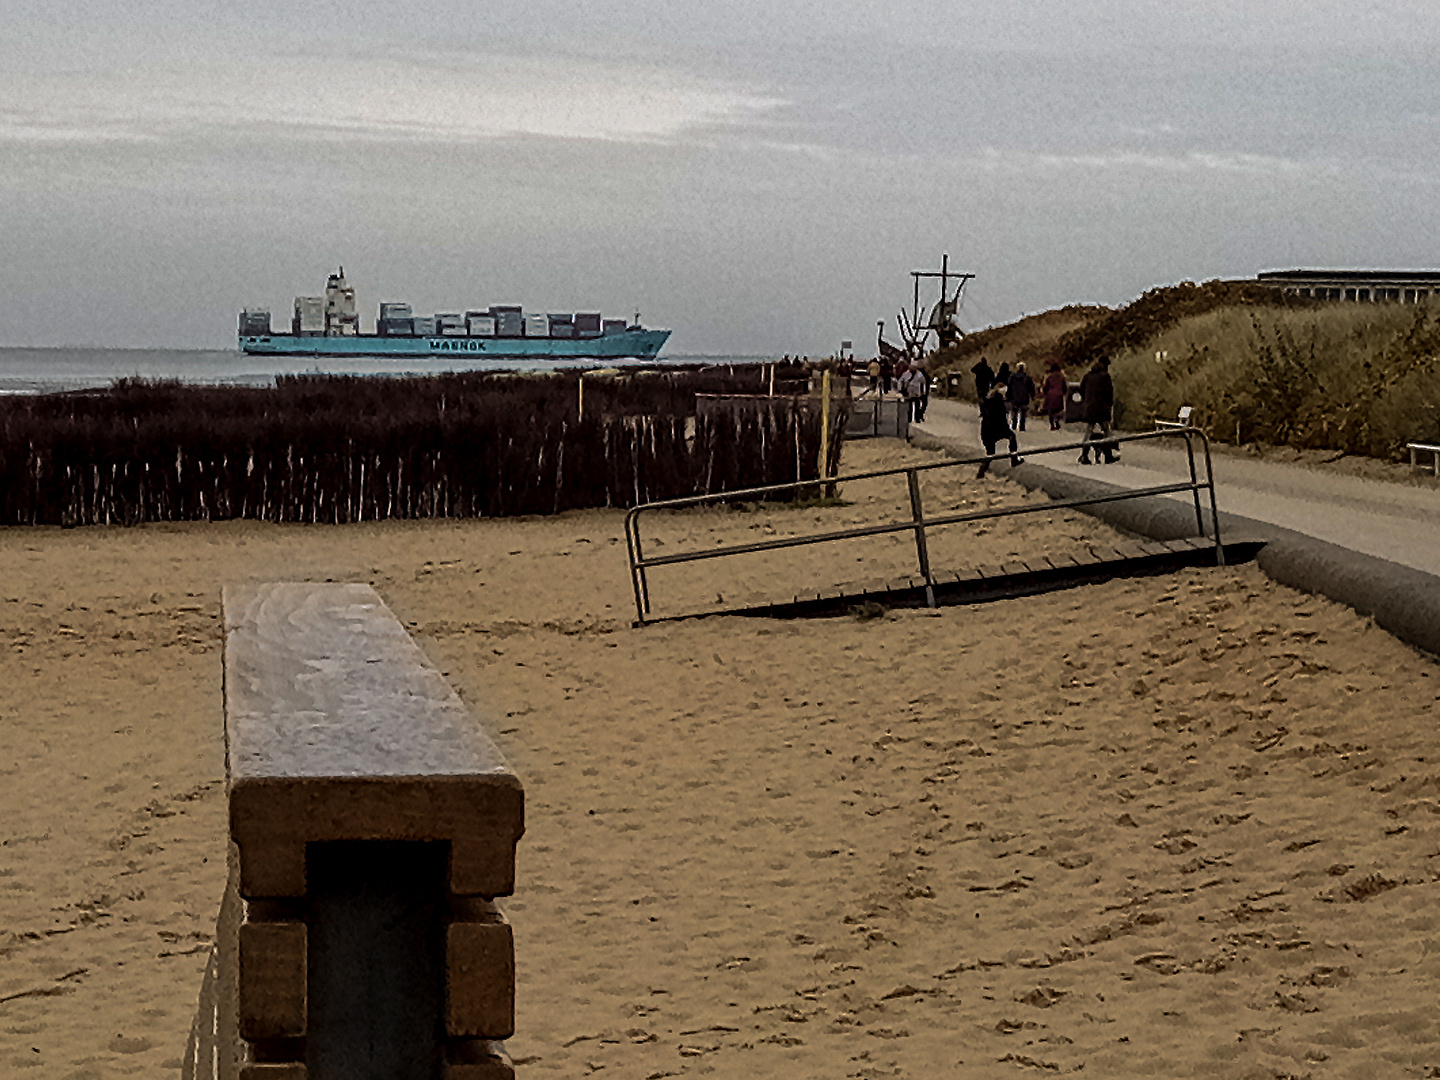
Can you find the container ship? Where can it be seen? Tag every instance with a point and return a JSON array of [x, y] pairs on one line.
[[329, 325]]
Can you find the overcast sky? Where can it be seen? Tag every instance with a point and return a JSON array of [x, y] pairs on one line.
[[758, 177]]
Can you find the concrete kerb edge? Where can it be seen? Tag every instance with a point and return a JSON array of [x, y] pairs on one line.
[[1402, 600]]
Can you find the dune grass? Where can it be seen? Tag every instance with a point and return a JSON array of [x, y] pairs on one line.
[[1354, 378]]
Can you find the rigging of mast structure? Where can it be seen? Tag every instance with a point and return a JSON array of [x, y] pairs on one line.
[[940, 319]]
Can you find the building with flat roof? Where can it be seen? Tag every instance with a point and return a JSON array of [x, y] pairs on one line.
[[1363, 286]]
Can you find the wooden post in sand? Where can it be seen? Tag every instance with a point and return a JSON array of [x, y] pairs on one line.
[[922, 550], [823, 468], [372, 822]]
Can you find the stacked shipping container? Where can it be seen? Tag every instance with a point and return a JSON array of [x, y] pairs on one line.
[[309, 317], [255, 322], [398, 320]]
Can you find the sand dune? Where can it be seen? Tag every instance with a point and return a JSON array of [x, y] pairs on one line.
[[1173, 826]]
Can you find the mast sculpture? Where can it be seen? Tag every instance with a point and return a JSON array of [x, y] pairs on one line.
[[941, 319]]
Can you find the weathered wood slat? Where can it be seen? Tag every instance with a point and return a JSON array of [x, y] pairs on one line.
[[978, 584]]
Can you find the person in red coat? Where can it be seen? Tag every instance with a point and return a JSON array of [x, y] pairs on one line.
[[1052, 396]]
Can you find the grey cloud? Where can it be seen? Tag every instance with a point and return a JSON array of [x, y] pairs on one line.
[[758, 177]]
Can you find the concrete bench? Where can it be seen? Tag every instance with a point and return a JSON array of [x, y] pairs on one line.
[[1182, 419], [1434, 452], [372, 822]]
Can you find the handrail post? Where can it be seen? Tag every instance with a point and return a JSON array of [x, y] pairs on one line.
[[1214, 511], [637, 566], [917, 514], [1194, 481]]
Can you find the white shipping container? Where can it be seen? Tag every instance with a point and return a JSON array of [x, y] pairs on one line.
[[537, 325], [482, 326]]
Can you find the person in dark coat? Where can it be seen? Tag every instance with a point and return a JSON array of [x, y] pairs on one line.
[[994, 426], [1052, 396], [984, 379], [1003, 375], [1098, 395], [1019, 392]]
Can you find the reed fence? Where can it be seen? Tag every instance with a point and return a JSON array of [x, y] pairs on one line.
[[338, 449]]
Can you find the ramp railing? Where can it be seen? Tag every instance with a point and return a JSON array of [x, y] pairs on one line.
[[877, 416], [918, 522]]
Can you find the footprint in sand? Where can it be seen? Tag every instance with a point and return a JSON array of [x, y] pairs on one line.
[[122, 1045]]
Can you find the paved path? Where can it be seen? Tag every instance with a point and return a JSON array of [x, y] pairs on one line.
[[1391, 521]]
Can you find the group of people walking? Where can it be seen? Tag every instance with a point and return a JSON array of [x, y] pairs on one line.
[[1005, 398], [910, 379]]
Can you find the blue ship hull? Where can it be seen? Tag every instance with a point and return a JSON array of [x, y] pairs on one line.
[[628, 344]]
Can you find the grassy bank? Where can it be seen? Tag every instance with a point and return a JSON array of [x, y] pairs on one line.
[[1353, 378], [1256, 366]]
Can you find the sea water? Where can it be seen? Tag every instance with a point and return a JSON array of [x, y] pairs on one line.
[[55, 370]]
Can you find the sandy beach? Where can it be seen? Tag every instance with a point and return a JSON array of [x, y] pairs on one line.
[[1174, 826]]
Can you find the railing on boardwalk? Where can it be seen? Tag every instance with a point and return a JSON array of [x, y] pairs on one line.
[[875, 416], [918, 522]]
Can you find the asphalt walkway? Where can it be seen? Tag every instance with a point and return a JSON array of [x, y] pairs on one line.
[[1396, 522]]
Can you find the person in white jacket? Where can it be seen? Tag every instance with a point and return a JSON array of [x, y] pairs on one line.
[[915, 389]]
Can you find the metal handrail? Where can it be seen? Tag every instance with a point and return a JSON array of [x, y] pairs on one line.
[[918, 523], [878, 404]]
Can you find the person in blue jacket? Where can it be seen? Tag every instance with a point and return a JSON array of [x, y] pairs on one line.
[[1020, 391]]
